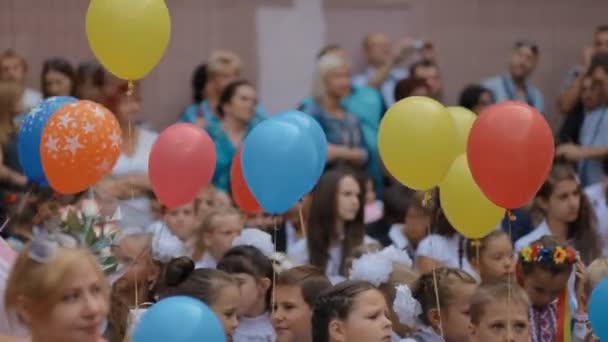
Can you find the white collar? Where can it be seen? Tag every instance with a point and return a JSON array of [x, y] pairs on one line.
[[395, 233]]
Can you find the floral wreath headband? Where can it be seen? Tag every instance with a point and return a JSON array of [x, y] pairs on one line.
[[558, 255]]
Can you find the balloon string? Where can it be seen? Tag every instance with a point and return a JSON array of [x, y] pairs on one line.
[[302, 224], [510, 218], [436, 289], [274, 271]]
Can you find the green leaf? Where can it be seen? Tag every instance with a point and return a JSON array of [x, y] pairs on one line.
[[100, 244]]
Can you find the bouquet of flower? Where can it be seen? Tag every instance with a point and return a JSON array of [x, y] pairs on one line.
[[90, 228]]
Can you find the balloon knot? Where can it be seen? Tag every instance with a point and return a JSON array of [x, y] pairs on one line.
[[511, 216], [476, 243], [130, 88], [427, 198]]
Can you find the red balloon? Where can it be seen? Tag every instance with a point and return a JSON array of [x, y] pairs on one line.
[[240, 190], [510, 153], [182, 162]]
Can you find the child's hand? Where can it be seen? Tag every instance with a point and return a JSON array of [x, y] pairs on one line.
[[580, 287]]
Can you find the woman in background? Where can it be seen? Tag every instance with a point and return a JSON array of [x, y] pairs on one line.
[[57, 78]]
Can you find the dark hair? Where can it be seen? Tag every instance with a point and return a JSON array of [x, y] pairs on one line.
[[91, 71], [335, 303], [422, 64], [529, 44], [322, 219], [198, 83], [436, 286], [605, 165], [486, 294], [601, 29], [470, 95], [60, 65], [327, 49], [550, 242], [474, 247], [251, 261], [582, 231], [228, 94], [405, 87], [181, 279], [396, 200], [599, 60], [308, 278]]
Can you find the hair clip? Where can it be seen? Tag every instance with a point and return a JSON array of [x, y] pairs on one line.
[[406, 306], [256, 238], [372, 267]]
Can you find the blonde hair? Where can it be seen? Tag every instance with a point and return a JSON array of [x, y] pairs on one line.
[[325, 65], [209, 225], [596, 272], [220, 59], [42, 283], [486, 294], [9, 98]]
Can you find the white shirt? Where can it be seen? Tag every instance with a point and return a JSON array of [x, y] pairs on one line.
[[299, 255], [256, 329], [541, 230], [207, 261], [388, 86], [597, 197], [8, 325], [445, 251], [292, 238]]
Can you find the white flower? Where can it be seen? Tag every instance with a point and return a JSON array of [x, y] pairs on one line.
[[89, 207], [256, 238], [372, 267], [65, 212], [406, 307], [396, 255]]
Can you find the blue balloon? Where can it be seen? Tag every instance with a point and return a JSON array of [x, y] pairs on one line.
[[280, 163], [179, 319], [30, 133], [598, 310], [308, 123]]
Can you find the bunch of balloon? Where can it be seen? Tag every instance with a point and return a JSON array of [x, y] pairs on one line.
[[510, 152], [79, 145], [417, 141], [128, 38], [30, 135], [181, 163], [282, 159]]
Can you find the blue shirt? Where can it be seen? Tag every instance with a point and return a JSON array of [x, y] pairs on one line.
[[594, 133], [196, 110], [225, 152], [388, 86], [503, 88]]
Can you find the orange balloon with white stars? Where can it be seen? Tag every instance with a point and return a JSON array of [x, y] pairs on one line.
[[80, 144]]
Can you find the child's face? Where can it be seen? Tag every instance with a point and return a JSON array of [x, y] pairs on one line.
[[496, 261], [81, 309], [206, 201], [416, 224], [222, 200], [367, 321], [219, 240], [225, 308], [455, 316], [182, 221], [292, 316], [502, 321], [253, 294], [370, 193], [564, 202], [543, 287], [133, 253]]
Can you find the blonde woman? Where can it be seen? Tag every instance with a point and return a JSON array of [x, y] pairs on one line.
[[331, 85], [58, 291]]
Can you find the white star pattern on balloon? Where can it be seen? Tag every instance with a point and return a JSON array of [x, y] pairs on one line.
[[98, 112], [88, 127], [52, 144], [115, 138], [72, 144], [65, 120]]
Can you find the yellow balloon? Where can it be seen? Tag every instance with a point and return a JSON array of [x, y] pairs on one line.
[[464, 205], [129, 37], [463, 120], [417, 142]]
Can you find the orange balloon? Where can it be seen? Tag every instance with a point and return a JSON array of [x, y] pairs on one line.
[[240, 190], [80, 144]]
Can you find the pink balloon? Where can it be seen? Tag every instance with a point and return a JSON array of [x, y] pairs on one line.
[[182, 162]]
